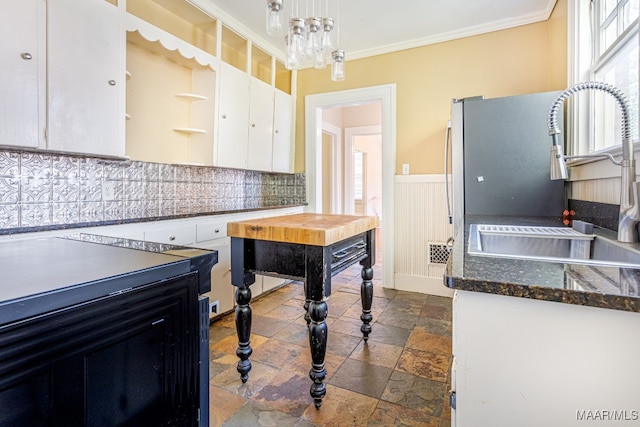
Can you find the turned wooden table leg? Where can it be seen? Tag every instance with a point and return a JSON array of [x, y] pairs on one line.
[[366, 296], [243, 328], [241, 278], [318, 343], [366, 289], [318, 284]]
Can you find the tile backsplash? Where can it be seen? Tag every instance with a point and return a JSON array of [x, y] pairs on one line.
[[47, 190]]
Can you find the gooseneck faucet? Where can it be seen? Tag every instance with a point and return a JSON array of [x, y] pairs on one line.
[[629, 194]]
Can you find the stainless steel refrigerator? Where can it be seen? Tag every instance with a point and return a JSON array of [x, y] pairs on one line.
[[500, 157]]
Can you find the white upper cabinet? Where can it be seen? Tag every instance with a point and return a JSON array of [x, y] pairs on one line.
[[282, 132], [254, 124], [233, 118], [86, 77], [62, 70], [151, 80], [253, 100], [260, 150], [23, 59]]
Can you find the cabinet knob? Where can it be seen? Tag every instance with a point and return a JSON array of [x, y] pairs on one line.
[[26, 56], [277, 131], [217, 230], [253, 125], [172, 238], [112, 82]]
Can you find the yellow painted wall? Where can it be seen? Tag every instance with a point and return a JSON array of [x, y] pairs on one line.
[[558, 46], [525, 59]]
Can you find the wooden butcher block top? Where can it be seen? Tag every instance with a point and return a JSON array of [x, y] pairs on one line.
[[306, 229]]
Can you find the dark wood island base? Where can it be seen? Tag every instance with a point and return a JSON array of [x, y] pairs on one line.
[[308, 247]]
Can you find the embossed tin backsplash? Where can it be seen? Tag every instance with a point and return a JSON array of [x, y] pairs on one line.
[[47, 190]]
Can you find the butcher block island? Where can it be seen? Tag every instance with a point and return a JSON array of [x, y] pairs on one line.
[[308, 247], [306, 228]]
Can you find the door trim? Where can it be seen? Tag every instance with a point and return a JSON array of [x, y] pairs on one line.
[[313, 157], [336, 162]]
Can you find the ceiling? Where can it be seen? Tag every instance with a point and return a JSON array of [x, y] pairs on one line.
[[371, 27]]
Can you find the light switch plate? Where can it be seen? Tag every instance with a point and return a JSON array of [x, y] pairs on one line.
[[405, 169]]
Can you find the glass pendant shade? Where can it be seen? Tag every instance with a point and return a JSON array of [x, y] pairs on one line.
[[314, 36], [274, 17], [296, 54], [291, 61], [337, 66], [319, 59], [327, 26]]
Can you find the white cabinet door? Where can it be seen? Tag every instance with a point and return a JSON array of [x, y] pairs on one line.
[[260, 149], [86, 77], [23, 59], [233, 121], [510, 350], [282, 132], [222, 293]]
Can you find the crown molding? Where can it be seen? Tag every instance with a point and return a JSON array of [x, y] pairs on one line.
[[278, 50], [499, 25]]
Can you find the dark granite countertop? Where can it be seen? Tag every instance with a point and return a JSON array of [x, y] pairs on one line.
[[16, 230], [596, 286], [200, 259], [41, 275]]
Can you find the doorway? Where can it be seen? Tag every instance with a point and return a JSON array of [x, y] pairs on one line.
[[352, 160], [363, 172], [317, 137]]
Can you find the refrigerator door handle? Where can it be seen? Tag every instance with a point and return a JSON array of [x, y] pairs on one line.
[[447, 138]]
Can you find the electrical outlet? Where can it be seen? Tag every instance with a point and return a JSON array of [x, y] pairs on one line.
[[214, 307], [405, 169], [108, 190]]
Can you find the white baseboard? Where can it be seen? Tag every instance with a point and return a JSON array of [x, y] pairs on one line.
[[421, 284]]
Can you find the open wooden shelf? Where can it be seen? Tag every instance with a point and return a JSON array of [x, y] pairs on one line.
[[191, 96], [190, 130]]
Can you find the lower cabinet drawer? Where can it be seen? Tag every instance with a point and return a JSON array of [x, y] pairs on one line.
[[173, 235], [347, 252], [211, 230]]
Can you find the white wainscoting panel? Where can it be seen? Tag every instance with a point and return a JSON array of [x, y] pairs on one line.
[[421, 229], [605, 190]]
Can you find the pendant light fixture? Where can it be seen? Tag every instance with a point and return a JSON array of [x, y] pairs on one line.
[[274, 17], [337, 66], [327, 43], [311, 41], [296, 43]]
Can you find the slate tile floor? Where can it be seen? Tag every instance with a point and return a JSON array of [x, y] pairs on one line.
[[401, 377]]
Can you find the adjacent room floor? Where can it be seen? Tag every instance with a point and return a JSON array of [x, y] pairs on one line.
[[400, 377]]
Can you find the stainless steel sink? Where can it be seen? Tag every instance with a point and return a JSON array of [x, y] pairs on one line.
[[555, 244]]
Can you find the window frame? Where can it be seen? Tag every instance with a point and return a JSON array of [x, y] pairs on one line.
[[580, 135]]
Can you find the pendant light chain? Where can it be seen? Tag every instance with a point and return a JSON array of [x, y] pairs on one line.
[[337, 23], [337, 66]]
